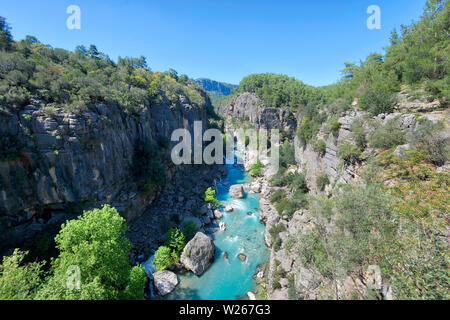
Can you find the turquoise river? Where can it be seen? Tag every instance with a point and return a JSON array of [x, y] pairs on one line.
[[229, 279]]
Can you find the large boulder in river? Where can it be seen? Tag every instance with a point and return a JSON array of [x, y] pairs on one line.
[[165, 281], [198, 253], [237, 191]]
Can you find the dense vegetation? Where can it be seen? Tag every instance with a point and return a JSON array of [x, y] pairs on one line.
[[277, 90], [396, 215], [74, 80], [93, 245], [397, 228], [416, 59]]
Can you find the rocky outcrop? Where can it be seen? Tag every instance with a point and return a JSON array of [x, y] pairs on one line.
[[62, 163], [248, 106], [165, 281], [179, 202], [198, 254], [237, 191]]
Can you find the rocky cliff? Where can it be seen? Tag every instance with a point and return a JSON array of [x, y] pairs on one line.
[[216, 89], [60, 163], [248, 107], [286, 276]]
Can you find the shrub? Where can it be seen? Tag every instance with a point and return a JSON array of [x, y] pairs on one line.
[[387, 136], [190, 229], [322, 181], [256, 168], [290, 209], [335, 126], [307, 130], [287, 154], [176, 241], [163, 258], [312, 252], [438, 149], [278, 179], [349, 152], [320, 147], [19, 281], [377, 101], [276, 229], [296, 181], [281, 205], [358, 134], [277, 196], [210, 196], [431, 138]]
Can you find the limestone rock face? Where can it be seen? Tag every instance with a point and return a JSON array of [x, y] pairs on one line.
[[77, 158], [248, 105], [237, 191], [165, 281], [198, 254], [256, 187]]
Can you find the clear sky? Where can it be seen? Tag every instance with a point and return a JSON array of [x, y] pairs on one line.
[[223, 40]]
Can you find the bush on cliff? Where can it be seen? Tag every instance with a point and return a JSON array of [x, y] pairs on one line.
[[349, 153], [256, 168], [387, 136], [75, 80]]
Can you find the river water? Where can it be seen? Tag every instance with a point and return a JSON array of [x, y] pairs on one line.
[[229, 279]]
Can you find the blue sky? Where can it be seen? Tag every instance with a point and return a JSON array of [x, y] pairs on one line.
[[223, 40]]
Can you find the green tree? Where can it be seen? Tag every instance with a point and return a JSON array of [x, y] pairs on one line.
[[19, 280], [163, 258], [5, 35], [176, 241], [96, 244], [210, 196]]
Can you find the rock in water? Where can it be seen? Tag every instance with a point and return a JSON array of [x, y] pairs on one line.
[[242, 256], [251, 296], [225, 255], [165, 281], [198, 253], [222, 226], [237, 191], [228, 209], [217, 214]]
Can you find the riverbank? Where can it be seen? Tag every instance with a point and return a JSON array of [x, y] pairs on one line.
[[239, 249]]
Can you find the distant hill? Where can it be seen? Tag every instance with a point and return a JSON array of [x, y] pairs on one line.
[[216, 89]]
